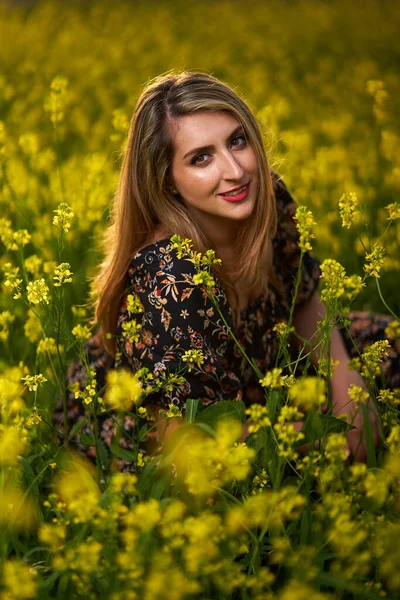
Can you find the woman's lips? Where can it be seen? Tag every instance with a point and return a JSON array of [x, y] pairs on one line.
[[237, 197]]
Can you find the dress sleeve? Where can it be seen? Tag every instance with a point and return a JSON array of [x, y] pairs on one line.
[[177, 316], [287, 251]]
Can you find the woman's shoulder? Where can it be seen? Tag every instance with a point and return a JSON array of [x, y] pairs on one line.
[[158, 257]]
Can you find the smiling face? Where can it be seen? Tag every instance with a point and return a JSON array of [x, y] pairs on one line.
[[212, 156]]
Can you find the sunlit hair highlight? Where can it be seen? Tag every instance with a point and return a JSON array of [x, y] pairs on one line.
[[144, 197]]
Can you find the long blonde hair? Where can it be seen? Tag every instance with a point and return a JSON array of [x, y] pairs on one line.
[[144, 196]]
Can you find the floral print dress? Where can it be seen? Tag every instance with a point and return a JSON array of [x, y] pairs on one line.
[[179, 316]]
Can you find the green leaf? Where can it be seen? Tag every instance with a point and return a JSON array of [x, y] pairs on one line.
[[335, 425], [258, 440], [369, 440], [159, 487], [122, 453], [102, 455], [77, 427], [143, 432], [191, 409], [317, 426], [221, 410]]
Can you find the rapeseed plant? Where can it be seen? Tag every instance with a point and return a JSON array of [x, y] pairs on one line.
[[252, 520]]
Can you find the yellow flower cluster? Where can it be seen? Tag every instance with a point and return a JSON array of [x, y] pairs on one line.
[[337, 284], [215, 462], [81, 332], [348, 207], [63, 216], [375, 260], [133, 304], [304, 224], [89, 391], [372, 358], [37, 291], [62, 274], [56, 102], [6, 318], [308, 393], [131, 330], [192, 358], [32, 382], [124, 389], [47, 345], [393, 210], [258, 416], [184, 248], [274, 379]]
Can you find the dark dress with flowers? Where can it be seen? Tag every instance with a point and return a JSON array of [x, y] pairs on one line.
[[179, 316]]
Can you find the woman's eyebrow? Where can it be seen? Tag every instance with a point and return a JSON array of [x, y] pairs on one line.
[[211, 147]]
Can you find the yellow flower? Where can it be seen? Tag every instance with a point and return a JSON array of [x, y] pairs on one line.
[[53, 534], [29, 143], [304, 225], [392, 331], [204, 278], [258, 415], [144, 515], [47, 345], [174, 411], [134, 304], [372, 357], [63, 216], [81, 332], [353, 286], [19, 580], [348, 207], [11, 445], [77, 488], [32, 327], [6, 318], [375, 261], [357, 395], [308, 393], [33, 381], [16, 510], [273, 379], [33, 264], [333, 274], [182, 246], [56, 102], [193, 357], [124, 389], [214, 462], [12, 280], [393, 210], [131, 330], [62, 274], [37, 291], [33, 419]]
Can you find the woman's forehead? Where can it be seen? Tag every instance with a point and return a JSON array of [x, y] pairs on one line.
[[202, 129]]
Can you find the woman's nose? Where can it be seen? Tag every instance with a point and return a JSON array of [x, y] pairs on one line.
[[231, 167]]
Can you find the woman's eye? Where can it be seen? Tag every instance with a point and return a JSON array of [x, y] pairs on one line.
[[195, 162], [238, 138]]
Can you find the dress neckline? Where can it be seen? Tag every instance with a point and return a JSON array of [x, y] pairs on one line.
[[253, 303]]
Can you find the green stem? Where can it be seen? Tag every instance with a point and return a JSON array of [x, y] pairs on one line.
[[384, 302]]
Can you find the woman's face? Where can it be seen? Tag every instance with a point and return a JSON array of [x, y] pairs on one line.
[[212, 157]]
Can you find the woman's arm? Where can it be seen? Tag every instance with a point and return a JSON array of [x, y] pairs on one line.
[[306, 317]]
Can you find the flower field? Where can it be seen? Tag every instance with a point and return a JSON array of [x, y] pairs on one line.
[[212, 516]]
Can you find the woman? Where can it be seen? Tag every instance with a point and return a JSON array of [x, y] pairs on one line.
[[195, 165]]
